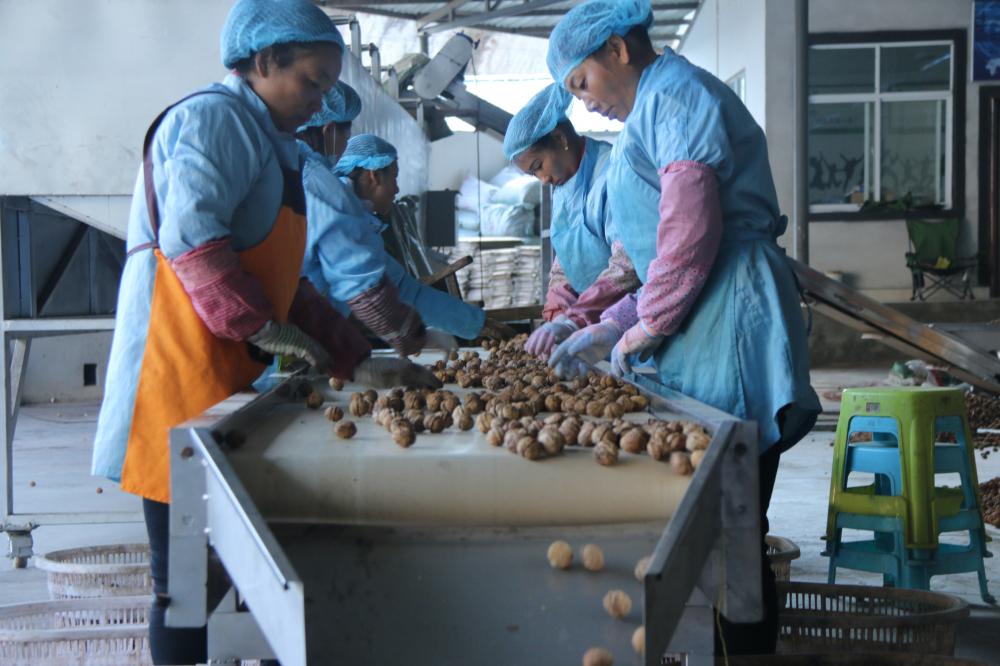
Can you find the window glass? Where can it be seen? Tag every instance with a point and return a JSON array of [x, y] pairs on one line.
[[837, 71], [840, 138], [913, 151], [909, 68]]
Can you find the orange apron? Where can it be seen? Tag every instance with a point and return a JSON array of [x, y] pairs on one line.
[[185, 368]]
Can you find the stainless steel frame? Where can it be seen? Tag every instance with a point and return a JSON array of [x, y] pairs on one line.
[[709, 554]]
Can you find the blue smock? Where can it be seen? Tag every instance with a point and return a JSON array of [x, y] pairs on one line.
[[217, 171], [345, 254], [742, 348], [581, 228]]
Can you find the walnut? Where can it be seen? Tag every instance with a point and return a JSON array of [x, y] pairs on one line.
[[570, 429], [360, 405], [552, 440], [697, 440], [314, 400], [494, 437], [553, 419], [474, 404], [450, 402], [483, 422], [617, 603], [463, 421], [583, 437], [433, 401], [435, 422], [696, 457], [553, 403], [510, 439], [680, 461], [403, 435], [560, 555], [528, 447], [605, 454], [675, 441], [657, 448], [604, 432], [641, 566], [371, 395], [346, 429], [414, 401], [595, 408], [639, 402], [598, 656], [592, 557], [634, 440], [333, 413], [613, 410], [336, 384], [453, 355], [381, 403], [639, 639]]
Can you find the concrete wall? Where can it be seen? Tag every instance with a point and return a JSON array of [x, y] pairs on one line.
[[729, 36], [455, 157], [55, 368], [871, 253]]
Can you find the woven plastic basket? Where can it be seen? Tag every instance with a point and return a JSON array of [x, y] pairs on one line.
[[97, 571], [819, 618], [781, 552], [109, 631]]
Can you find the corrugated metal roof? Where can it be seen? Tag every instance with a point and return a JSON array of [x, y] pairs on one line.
[[529, 18]]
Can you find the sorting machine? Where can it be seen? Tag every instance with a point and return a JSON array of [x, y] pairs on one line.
[[356, 551]]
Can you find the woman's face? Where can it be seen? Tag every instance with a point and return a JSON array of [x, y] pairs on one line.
[[384, 188], [294, 93], [553, 163], [605, 82]]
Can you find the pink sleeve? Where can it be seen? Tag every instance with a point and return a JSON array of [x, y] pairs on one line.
[[623, 313], [560, 295], [339, 337], [230, 301], [687, 242], [614, 282], [380, 309]]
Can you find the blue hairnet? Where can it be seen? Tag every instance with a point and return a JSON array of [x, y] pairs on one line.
[[365, 151], [253, 25], [340, 105], [538, 117], [586, 27]]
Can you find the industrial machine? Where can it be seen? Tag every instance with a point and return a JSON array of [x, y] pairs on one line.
[[358, 551]]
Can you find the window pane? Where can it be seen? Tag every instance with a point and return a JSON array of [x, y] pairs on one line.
[[906, 68], [839, 143], [834, 71], [913, 151]]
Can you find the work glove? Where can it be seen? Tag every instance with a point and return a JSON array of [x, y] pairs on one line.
[[289, 340], [496, 330], [549, 334], [636, 340], [438, 339], [575, 355], [388, 372]]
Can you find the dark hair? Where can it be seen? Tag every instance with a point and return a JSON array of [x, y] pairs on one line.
[[313, 137], [281, 55], [638, 38], [550, 142]]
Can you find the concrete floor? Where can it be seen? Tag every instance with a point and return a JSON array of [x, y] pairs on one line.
[[53, 443]]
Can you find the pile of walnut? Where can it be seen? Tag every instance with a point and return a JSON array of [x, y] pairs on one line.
[[584, 412]]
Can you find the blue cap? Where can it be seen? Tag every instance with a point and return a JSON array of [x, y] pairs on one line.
[[365, 151], [586, 27], [253, 25], [340, 105], [536, 120]]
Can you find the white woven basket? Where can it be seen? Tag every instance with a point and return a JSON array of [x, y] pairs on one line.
[[781, 552], [98, 571], [109, 631]]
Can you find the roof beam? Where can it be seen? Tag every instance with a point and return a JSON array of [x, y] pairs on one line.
[[510, 10], [447, 10]]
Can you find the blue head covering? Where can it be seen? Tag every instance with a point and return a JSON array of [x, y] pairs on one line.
[[538, 117], [586, 27], [253, 25], [340, 105], [365, 151]]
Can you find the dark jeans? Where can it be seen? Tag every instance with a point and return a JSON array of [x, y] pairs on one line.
[[757, 637], [168, 645]]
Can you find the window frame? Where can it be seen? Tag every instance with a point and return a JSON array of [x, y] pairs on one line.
[[954, 99]]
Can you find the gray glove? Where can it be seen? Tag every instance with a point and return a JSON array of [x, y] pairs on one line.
[[438, 339], [387, 372], [496, 330], [289, 340]]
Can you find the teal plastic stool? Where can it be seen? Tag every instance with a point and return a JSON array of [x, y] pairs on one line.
[[886, 507]]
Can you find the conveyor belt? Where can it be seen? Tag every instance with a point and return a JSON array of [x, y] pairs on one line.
[[297, 470]]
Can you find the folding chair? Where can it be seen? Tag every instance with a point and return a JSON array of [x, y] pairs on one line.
[[933, 259]]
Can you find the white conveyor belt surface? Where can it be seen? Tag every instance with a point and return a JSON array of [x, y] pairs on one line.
[[297, 470]]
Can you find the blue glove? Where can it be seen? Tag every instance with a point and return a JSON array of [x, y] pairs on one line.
[[636, 340], [590, 345], [549, 334]]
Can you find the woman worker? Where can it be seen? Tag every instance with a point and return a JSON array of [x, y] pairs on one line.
[[694, 204], [590, 271], [347, 260], [211, 286], [327, 132]]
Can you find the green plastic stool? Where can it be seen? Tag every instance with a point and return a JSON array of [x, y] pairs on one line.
[[912, 414]]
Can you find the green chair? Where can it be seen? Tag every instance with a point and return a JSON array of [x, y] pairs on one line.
[[933, 259]]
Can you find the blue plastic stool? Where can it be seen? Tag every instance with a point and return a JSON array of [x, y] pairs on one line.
[[955, 509]]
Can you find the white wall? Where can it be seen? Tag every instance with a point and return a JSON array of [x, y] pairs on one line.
[[455, 157], [729, 36], [872, 253], [55, 368]]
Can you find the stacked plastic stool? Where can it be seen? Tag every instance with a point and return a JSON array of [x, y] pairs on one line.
[[898, 435]]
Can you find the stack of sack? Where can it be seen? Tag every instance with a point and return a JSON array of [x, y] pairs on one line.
[[504, 206]]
